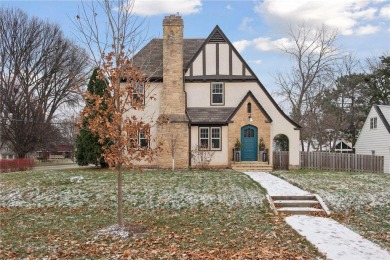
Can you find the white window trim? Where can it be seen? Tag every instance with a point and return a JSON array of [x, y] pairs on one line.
[[220, 138], [143, 138], [373, 123], [136, 88], [223, 94], [202, 138]]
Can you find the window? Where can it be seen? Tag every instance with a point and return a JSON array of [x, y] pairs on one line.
[[210, 138], [139, 93], [204, 137], [373, 123], [140, 140], [249, 133], [249, 108], [215, 138], [217, 93], [143, 141]]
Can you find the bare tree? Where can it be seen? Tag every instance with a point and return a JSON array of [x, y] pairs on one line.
[[38, 69], [68, 129], [201, 157], [118, 113], [314, 53]]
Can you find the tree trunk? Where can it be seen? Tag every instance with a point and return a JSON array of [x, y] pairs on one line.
[[120, 200]]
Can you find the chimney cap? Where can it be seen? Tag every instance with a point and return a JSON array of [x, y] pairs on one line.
[[173, 19]]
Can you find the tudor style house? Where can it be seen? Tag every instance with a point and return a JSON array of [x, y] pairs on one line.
[[374, 138], [212, 99]]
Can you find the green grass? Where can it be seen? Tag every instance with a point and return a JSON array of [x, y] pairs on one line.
[[359, 200], [186, 215]]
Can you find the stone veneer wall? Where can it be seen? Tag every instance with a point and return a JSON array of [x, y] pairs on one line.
[[173, 100], [240, 119]]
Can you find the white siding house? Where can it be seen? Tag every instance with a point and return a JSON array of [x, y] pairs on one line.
[[374, 139]]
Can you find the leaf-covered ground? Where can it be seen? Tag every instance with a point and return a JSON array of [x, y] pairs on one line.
[[180, 215], [359, 200]]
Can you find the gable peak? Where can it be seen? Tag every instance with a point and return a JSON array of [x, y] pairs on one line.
[[217, 36]]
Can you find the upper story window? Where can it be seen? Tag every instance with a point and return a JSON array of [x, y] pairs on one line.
[[373, 123], [217, 93], [139, 93]]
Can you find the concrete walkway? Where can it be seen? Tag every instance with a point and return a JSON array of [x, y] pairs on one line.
[[330, 237]]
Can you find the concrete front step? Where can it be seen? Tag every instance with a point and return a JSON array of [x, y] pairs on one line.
[[300, 210], [296, 203], [252, 169], [294, 197], [251, 166]]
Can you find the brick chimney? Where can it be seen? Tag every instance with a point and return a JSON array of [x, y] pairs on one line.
[[173, 102]]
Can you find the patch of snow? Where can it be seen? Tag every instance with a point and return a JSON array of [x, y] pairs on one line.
[[335, 240], [114, 231], [77, 179], [274, 185], [343, 193]]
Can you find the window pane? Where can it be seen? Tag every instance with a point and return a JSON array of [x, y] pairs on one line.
[[215, 133], [215, 144], [143, 142], [217, 88], [249, 133], [204, 143], [217, 98], [142, 139], [204, 133]]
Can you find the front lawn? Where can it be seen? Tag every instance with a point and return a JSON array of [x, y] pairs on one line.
[[359, 200], [174, 215]]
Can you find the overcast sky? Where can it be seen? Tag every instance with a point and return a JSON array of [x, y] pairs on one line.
[[255, 27]]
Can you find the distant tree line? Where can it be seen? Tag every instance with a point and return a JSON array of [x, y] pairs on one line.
[[39, 69]]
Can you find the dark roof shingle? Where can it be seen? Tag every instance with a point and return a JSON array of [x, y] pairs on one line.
[[207, 115], [150, 58]]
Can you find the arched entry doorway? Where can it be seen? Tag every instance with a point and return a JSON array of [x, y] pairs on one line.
[[281, 152], [249, 143]]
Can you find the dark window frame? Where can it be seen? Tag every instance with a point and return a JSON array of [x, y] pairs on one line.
[[209, 138], [212, 103]]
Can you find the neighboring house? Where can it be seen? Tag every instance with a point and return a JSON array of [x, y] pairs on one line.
[[6, 153], [55, 152], [374, 138], [341, 146], [211, 97]]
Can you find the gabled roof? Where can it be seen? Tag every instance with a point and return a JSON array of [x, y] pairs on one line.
[[384, 117], [150, 57], [250, 94], [150, 60], [207, 115]]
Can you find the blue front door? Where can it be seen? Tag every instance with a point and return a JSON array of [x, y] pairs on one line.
[[249, 143]]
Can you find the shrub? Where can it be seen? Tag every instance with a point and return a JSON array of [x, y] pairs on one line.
[[17, 165]]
